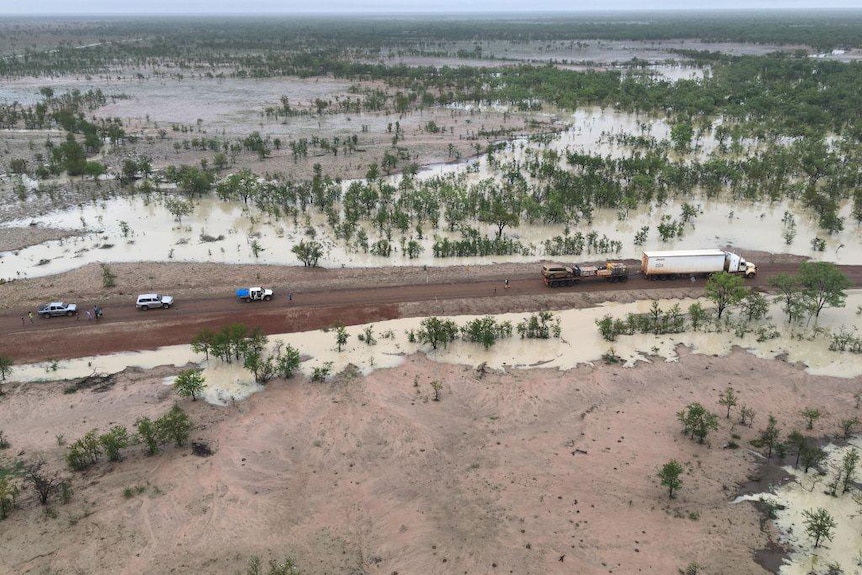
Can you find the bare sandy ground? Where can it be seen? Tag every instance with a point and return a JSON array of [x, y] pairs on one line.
[[531, 471]]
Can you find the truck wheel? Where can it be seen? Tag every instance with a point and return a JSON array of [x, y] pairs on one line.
[[166, 305], [248, 300], [70, 313], [267, 298], [145, 307]]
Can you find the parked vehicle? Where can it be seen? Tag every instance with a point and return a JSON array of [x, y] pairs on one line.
[[57, 308], [254, 294], [153, 300], [560, 275], [685, 263]]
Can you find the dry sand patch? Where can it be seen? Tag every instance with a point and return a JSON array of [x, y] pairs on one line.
[[370, 474]]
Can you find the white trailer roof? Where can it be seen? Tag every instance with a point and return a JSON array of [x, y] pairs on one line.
[[683, 253]]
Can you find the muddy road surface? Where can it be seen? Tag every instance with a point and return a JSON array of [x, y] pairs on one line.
[[124, 328]]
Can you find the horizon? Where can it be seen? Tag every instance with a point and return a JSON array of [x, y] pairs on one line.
[[108, 8]]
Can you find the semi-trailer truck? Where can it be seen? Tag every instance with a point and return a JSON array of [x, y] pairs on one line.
[[673, 264]]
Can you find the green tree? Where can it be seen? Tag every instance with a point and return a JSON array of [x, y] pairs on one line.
[[8, 493], [189, 383], [6, 363], [811, 456], [754, 306], [436, 331], [728, 399], [790, 291], [436, 386], [725, 289], [341, 337], [499, 207], [149, 434], [486, 330], [848, 465], [202, 342], [670, 475], [769, 436], [287, 361], [847, 426], [698, 421], [823, 285], [797, 441], [175, 425], [811, 415], [681, 134], [113, 441], [178, 208], [697, 315], [308, 252], [819, 524]]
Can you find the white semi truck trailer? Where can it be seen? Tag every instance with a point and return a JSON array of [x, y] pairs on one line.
[[680, 263]]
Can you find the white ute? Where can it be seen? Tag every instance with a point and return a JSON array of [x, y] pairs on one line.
[[152, 300]]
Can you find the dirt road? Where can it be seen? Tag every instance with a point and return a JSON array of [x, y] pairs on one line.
[[124, 328]]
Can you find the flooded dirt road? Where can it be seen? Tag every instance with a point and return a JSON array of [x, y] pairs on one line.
[[123, 328]]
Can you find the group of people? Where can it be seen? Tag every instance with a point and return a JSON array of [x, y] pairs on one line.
[[95, 314]]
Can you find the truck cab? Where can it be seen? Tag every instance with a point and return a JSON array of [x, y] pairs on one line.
[[734, 263]]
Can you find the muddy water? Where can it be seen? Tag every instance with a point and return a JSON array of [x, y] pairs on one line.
[[575, 346], [153, 235], [808, 492]]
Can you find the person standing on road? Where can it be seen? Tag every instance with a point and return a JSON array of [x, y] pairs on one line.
[[507, 283], [89, 315], [22, 320], [30, 315], [290, 297]]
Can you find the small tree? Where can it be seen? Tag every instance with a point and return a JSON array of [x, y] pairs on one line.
[[43, 482], [819, 524], [769, 436], [823, 285], [697, 315], [754, 306], [437, 386], [149, 434], [175, 425], [486, 330], [341, 337], [437, 331], [286, 361], [848, 465], [308, 252], [746, 415], [797, 441], [202, 342], [189, 383], [670, 473], [5, 366], [811, 456], [811, 415], [790, 292], [8, 493], [725, 289], [113, 441], [698, 421], [178, 208], [847, 426], [728, 399]]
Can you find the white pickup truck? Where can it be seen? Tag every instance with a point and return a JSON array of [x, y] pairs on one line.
[[254, 294]]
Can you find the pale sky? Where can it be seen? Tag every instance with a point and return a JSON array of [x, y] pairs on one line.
[[288, 7]]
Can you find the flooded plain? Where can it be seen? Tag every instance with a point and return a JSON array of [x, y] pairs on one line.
[[141, 229]]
